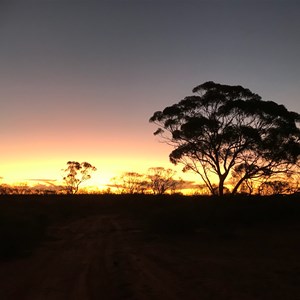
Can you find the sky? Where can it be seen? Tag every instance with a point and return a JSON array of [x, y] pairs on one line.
[[79, 79]]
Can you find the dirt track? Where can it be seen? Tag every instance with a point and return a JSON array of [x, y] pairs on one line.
[[110, 257], [93, 258]]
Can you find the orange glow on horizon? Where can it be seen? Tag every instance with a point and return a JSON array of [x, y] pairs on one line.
[[34, 171]]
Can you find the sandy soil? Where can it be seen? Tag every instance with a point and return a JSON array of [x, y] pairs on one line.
[[111, 257]]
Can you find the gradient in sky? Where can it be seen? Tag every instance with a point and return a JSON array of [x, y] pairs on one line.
[[79, 80]]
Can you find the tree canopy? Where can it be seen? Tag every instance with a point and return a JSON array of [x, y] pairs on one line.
[[162, 180], [230, 134], [130, 183], [158, 181], [76, 173]]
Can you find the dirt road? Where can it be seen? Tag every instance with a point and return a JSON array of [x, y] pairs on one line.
[[110, 257], [93, 258]]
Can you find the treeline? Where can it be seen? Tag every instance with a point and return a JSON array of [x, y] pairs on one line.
[[157, 181]]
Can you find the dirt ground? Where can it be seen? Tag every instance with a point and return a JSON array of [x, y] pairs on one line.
[[112, 257]]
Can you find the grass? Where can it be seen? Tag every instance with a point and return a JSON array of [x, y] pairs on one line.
[[24, 219]]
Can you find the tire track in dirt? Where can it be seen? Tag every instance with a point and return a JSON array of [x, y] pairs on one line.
[[109, 257], [76, 264], [147, 278], [99, 257]]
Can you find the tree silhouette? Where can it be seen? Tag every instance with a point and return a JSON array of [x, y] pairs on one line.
[[76, 173], [275, 187], [130, 183], [162, 180], [223, 131]]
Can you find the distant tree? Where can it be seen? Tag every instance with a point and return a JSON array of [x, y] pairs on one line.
[[162, 180], [22, 188], [224, 131], [275, 187], [5, 189], [130, 183], [76, 173], [247, 187]]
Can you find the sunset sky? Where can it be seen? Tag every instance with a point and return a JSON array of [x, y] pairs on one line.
[[79, 79]]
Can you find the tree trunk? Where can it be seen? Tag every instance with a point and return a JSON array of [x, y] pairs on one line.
[[221, 185], [234, 191]]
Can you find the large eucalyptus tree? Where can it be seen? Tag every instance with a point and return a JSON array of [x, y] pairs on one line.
[[230, 134]]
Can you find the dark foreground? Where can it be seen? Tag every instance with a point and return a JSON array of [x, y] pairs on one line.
[[138, 247]]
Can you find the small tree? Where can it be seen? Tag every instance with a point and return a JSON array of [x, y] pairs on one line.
[[275, 187], [76, 173], [162, 180], [130, 183], [227, 131]]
